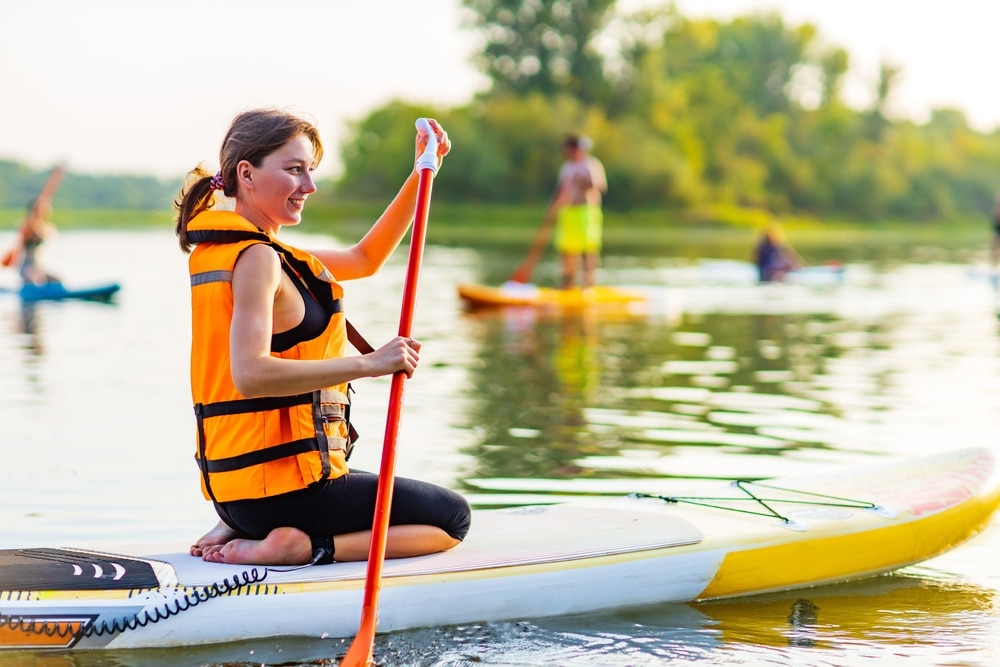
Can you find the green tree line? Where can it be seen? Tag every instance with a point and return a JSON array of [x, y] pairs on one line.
[[697, 115], [19, 185]]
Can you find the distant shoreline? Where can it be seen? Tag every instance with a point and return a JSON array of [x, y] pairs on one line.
[[644, 233]]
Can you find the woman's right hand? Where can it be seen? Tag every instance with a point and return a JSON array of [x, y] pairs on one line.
[[399, 354], [444, 143]]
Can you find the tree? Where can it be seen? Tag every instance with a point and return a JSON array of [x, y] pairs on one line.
[[542, 46], [877, 119], [375, 159]]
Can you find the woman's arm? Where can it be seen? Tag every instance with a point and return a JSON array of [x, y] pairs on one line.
[[369, 254], [257, 293]]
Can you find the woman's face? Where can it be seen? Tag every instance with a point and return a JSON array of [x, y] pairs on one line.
[[274, 194]]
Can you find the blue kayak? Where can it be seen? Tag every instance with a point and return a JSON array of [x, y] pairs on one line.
[[56, 291]]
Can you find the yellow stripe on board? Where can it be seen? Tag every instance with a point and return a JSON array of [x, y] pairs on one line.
[[83, 594], [814, 562]]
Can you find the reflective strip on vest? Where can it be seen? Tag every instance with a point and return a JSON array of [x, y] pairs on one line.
[[211, 277]]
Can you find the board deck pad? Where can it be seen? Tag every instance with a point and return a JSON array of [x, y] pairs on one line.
[[564, 532], [496, 540], [71, 570]]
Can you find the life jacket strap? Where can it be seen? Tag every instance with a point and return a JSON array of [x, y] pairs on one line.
[[357, 340], [249, 459], [225, 236], [244, 405]]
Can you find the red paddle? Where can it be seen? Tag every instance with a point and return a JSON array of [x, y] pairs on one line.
[[362, 648]]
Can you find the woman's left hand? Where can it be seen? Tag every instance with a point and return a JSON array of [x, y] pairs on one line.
[[444, 144]]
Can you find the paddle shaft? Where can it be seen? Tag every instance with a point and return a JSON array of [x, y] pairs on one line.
[[523, 272], [361, 650]]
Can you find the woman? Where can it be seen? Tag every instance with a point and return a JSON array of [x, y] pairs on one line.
[[35, 230], [269, 375]]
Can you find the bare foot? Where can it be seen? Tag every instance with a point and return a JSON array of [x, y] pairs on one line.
[[282, 546], [216, 537]]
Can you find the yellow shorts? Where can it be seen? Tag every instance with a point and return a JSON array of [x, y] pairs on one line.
[[579, 229]]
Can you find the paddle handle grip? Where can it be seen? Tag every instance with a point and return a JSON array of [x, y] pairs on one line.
[[428, 159]]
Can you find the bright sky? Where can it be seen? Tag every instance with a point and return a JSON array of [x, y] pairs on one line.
[[149, 86]]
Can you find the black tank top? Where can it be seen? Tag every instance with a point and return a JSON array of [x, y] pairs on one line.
[[314, 321]]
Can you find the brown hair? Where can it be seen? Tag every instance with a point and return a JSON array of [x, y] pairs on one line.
[[577, 140], [252, 136]]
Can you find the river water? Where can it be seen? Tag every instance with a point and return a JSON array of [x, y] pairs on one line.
[[716, 378]]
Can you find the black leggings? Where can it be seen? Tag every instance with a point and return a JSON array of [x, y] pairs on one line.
[[347, 505]]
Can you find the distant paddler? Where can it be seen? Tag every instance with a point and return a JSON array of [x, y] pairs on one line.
[[575, 212], [773, 256], [35, 229]]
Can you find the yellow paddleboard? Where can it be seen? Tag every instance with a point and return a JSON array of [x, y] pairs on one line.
[[526, 294]]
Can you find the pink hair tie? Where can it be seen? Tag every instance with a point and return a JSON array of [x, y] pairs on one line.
[[216, 182]]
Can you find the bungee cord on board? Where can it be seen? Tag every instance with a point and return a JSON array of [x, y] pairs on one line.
[[714, 502]]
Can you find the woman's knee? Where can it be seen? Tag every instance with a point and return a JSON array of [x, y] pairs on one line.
[[461, 519]]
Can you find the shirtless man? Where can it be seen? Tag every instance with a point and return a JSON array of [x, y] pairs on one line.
[[576, 203]]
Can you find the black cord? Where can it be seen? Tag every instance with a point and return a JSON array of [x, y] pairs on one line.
[[146, 617]]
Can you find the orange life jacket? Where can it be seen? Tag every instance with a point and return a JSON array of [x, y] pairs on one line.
[[259, 447]]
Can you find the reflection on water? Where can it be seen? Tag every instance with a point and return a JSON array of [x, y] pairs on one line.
[[520, 405], [536, 376], [28, 325], [772, 393], [595, 395], [29, 328], [835, 616]]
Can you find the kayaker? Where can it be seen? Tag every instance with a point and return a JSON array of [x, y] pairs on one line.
[[270, 368], [773, 257]]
